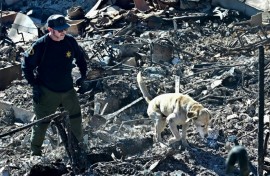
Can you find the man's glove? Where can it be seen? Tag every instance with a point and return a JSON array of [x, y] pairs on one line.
[[80, 80], [36, 94]]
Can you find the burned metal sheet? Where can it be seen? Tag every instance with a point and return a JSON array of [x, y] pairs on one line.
[[23, 28], [19, 113], [8, 16], [248, 9], [9, 74], [263, 5]]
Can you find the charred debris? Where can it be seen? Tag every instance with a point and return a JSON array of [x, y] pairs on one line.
[[207, 49]]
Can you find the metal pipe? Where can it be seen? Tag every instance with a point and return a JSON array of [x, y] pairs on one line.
[[1, 25], [261, 112]]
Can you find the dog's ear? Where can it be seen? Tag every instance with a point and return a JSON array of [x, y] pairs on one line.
[[191, 115], [206, 111]]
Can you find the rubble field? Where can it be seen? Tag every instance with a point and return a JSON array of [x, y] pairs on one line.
[[219, 56]]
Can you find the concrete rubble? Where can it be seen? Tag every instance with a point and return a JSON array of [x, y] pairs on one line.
[[206, 49]]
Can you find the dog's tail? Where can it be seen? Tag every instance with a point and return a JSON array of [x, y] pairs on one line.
[[143, 88]]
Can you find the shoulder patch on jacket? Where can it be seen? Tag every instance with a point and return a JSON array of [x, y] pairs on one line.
[[29, 52]]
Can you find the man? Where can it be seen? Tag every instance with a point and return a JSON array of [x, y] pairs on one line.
[[47, 66]]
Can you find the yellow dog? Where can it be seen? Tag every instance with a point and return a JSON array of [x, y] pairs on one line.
[[175, 109]]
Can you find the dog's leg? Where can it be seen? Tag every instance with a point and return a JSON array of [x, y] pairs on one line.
[[184, 134], [160, 125], [172, 122]]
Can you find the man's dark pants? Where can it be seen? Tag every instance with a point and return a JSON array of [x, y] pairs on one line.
[[48, 104]]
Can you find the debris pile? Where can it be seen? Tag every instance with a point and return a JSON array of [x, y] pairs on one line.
[[194, 47]]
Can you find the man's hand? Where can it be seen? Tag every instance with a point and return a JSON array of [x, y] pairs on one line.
[[80, 80], [36, 94]]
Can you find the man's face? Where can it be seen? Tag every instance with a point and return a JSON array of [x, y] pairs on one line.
[[58, 35]]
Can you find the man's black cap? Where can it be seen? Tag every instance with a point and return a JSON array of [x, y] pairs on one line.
[[57, 22]]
